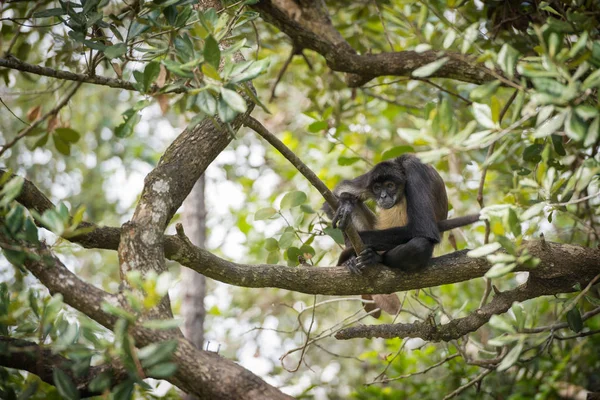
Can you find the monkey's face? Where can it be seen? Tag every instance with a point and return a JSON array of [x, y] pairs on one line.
[[386, 193]]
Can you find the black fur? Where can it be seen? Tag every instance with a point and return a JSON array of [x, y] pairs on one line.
[[408, 247]]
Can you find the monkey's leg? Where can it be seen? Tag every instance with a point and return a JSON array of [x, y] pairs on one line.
[[411, 256]]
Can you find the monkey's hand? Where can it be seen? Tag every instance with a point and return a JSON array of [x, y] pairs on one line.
[[343, 214], [351, 265], [368, 257]]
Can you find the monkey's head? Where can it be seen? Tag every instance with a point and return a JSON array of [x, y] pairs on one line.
[[387, 184]]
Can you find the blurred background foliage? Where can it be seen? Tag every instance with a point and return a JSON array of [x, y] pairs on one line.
[[541, 115]]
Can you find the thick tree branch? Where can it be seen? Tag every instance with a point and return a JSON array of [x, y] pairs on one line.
[[461, 326], [41, 361], [565, 261], [311, 28], [203, 373]]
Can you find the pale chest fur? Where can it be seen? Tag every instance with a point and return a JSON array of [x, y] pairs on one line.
[[392, 217]]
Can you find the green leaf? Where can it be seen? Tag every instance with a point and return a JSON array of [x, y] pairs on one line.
[[11, 190], [51, 12], [550, 125], [513, 222], [271, 244], [162, 324], [396, 152], [344, 161], [156, 353], [207, 102], [318, 126], [162, 371], [68, 135], [557, 142], [286, 240], [150, 74], [264, 213], [293, 199], [592, 133], [64, 384], [117, 311], [575, 127], [577, 47], [500, 323], [484, 250], [273, 257], [512, 357], [592, 81], [532, 211], [254, 70], [574, 320], [532, 153], [101, 382], [212, 53], [131, 118], [226, 113], [63, 147], [483, 92], [335, 234], [483, 115], [429, 69], [499, 270], [123, 391], [233, 100]]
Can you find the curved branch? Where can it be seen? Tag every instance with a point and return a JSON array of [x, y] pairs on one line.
[[311, 28], [203, 373], [31, 357], [256, 126], [568, 262], [14, 63], [460, 326]]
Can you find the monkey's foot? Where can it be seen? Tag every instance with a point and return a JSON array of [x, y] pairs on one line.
[[352, 267], [368, 257]]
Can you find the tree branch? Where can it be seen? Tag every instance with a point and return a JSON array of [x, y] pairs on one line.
[[256, 126], [41, 361], [570, 263], [460, 326], [14, 63], [203, 373], [312, 29]]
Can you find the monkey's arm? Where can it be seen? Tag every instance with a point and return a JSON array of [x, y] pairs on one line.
[[387, 239], [352, 193]]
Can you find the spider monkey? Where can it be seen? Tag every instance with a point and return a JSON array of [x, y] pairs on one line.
[[414, 207]]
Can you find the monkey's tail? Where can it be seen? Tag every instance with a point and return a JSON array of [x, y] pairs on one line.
[[457, 222]]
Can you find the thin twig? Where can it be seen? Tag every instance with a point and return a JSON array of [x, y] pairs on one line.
[[579, 200], [561, 325], [426, 370], [469, 102], [467, 385], [391, 101], [286, 64], [12, 112], [306, 342], [486, 240], [387, 35], [256, 126], [31, 127]]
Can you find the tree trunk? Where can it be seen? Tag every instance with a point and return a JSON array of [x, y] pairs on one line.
[[193, 284]]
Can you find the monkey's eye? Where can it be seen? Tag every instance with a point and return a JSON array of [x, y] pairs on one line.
[[377, 187], [391, 185]]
